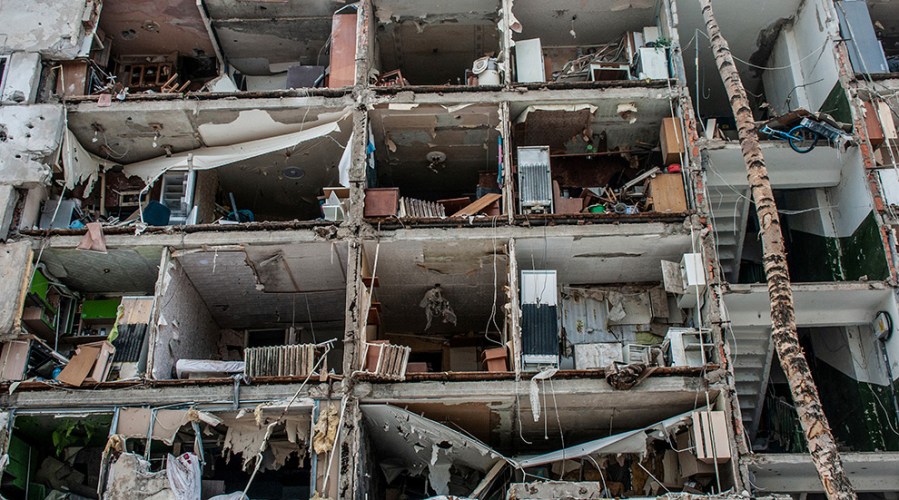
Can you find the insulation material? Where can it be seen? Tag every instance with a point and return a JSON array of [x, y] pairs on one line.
[[325, 432], [633, 442], [79, 165], [570, 108], [135, 423], [130, 478], [436, 306], [213, 157], [250, 437]]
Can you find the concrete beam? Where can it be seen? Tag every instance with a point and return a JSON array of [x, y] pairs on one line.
[[230, 105], [795, 473], [159, 395], [508, 390], [817, 304], [525, 96]]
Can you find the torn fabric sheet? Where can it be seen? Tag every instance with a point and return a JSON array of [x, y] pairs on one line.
[[436, 306], [570, 108], [632, 442], [79, 165], [184, 475], [93, 239], [206, 158]]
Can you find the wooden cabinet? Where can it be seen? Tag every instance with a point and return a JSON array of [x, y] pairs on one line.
[[666, 193]]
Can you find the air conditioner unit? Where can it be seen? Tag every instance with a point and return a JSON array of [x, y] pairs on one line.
[[535, 188], [539, 318], [689, 346]]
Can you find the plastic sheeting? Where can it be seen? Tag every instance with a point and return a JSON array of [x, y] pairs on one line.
[[213, 157], [184, 474], [633, 442]]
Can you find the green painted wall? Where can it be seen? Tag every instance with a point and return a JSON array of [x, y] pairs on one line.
[[837, 105], [815, 258], [861, 415], [863, 253]]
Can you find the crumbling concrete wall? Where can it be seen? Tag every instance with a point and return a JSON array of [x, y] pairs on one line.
[[22, 76], [53, 29], [186, 329], [29, 139], [15, 259]]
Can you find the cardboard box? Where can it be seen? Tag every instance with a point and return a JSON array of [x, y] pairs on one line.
[[91, 363], [381, 202], [672, 140], [687, 462], [710, 437]]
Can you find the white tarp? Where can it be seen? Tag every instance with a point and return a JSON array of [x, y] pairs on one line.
[[632, 442], [79, 165], [206, 158]]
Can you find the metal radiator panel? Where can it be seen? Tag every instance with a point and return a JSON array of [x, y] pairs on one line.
[[279, 361], [534, 178], [539, 329]]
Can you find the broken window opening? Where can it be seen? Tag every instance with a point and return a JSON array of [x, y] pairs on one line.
[[214, 47], [434, 162], [446, 306], [86, 317], [212, 454], [260, 312], [250, 169], [586, 317], [619, 158], [454, 45], [52, 454], [571, 42]]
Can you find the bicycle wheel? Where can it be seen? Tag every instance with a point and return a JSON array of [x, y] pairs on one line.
[[802, 139]]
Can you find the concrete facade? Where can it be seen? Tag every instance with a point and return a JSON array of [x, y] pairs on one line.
[[327, 296]]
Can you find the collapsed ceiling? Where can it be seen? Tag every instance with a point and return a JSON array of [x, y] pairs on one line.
[[272, 286], [403, 137], [464, 270]]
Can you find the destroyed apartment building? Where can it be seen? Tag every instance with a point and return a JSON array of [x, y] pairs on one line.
[[496, 250]]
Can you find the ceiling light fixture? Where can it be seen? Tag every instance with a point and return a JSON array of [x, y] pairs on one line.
[[293, 172]]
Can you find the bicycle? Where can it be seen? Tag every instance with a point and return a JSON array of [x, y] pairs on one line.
[[802, 138]]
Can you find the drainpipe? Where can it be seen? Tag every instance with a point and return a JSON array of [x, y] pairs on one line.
[[213, 39]]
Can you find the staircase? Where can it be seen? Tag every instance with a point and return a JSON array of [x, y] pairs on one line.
[[730, 208], [751, 351]]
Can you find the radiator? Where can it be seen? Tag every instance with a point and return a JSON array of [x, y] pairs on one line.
[[279, 361], [386, 361], [535, 191]]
